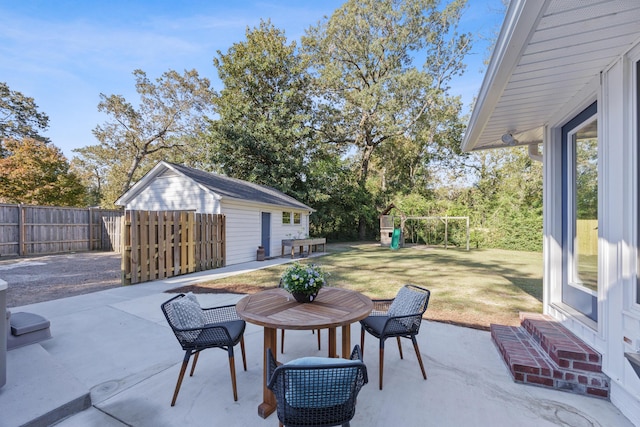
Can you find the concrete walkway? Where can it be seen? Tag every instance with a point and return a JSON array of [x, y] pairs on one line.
[[115, 346]]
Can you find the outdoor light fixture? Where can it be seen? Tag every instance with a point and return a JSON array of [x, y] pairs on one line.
[[508, 139]]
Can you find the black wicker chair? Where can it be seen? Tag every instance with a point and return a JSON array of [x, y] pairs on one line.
[[316, 391], [399, 317], [216, 327]]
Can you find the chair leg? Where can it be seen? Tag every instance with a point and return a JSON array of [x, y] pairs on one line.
[[319, 340], [415, 346], [381, 361], [282, 341], [399, 347], [232, 368], [244, 356], [362, 341], [183, 369], [193, 366]]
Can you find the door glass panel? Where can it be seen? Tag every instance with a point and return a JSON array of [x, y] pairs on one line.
[[586, 206], [580, 213]]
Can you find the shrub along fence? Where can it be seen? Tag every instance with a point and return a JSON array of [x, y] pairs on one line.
[[161, 244], [35, 230]]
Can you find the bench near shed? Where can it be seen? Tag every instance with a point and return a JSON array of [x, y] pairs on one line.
[[311, 243]]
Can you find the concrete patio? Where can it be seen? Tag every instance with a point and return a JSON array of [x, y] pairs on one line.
[[115, 346]]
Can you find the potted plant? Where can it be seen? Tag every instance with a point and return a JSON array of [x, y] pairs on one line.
[[304, 281]]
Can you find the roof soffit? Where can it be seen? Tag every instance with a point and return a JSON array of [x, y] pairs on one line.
[[549, 59]]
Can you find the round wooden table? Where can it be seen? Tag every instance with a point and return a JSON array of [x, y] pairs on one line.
[[276, 309]]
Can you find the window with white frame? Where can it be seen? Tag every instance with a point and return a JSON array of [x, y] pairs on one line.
[[286, 217], [294, 218]]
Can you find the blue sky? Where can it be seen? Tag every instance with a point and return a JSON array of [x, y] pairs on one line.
[[65, 53]]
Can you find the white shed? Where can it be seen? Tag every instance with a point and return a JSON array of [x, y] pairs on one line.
[[565, 75], [256, 215]]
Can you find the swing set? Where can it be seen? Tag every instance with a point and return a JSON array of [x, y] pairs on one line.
[[390, 224]]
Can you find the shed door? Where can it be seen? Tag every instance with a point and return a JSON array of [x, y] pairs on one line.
[[266, 233]]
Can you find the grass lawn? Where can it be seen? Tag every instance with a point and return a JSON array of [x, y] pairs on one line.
[[474, 288]]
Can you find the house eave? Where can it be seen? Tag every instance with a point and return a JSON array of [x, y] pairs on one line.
[[520, 21], [546, 64]]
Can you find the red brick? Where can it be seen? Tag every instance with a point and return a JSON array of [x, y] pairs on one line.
[[526, 369], [534, 379], [596, 382], [586, 366], [597, 392], [518, 376], [563, 363], [572, 355], [569, 376], [583, 380]]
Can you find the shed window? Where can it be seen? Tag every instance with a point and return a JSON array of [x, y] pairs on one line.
[[286, 217], [296, 217]]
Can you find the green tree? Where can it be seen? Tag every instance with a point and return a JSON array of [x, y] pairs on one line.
[[92, 169], [370, 90], [586, 178], [35, 172], [338, 199], [19, 117], [505, 204], [172, 110], [263, 133]]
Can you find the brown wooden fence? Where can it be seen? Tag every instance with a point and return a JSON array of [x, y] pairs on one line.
[[33, 230], [161, 244]]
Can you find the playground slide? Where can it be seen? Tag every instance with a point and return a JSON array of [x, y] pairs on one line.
[[395, 239]]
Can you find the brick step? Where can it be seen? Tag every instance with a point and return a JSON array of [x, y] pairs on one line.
[[529, 363], [566, 349]]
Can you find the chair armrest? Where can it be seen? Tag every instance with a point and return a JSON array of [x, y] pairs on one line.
[[406, 323], [225, 313], [405, 316], [271, 367], [381, 307], [356, 353]]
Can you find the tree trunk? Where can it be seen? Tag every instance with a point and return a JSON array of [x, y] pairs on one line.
[[130, 172]]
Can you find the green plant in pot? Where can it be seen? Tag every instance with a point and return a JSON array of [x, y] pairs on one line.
[[304, 281]]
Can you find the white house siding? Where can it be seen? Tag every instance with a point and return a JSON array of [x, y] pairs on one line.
[[244, 229], [618, 328], [290, 231], [280, 231], [171, 191]]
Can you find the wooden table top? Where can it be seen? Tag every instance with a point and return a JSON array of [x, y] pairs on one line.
[[276, 308]]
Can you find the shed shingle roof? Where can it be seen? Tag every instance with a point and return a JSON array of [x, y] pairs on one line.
[[239, 189]]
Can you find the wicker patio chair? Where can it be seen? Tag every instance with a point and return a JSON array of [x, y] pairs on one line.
[[200, 328], [316, 391], [399, 317]]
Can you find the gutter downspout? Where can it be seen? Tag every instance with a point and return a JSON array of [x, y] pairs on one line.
[[534, 152]]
